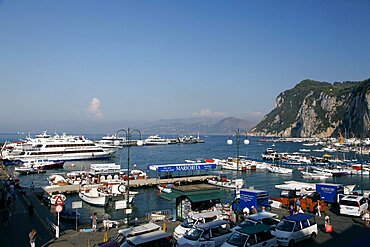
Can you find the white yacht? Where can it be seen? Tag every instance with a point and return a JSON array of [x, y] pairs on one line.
[[57, 147], [156, 140], [111, 141]]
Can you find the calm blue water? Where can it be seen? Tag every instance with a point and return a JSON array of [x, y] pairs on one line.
[[214, 147]]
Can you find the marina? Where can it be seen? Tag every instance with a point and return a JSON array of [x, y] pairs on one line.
[[165, 170]]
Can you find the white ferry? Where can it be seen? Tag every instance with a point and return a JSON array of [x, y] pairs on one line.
[[58, 147], [156, 140]]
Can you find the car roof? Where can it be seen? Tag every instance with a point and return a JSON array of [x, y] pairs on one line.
[[205, 215], [261, 216], [212, 224], [139, 229], [147, 237], [254, 229], [352, 198], [299, 217]]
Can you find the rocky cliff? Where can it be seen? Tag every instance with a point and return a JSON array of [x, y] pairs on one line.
[[319, 109]]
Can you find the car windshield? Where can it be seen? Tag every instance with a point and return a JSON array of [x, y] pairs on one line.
[[193, 234], [270, 222], [237, 239], [248, 222], [188, 223], [286, 226]]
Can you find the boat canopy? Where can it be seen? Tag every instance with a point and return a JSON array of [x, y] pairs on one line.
[[182, 167], [99, 169]]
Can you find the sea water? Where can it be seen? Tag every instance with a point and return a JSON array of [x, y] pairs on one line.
[[148, 199]]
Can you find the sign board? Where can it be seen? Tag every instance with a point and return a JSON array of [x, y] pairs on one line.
[[121, 204], [59, 208], [128, 211], [183, 167], [59, 201], [77, 204]]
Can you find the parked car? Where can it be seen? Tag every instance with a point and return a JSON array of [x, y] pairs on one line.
[[353, 205], [257, 236], [295, 228], [266, 218], [213, 233], [193, 220], [144, 235]]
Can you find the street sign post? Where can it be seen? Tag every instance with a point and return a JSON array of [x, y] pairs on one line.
[[76, 205]]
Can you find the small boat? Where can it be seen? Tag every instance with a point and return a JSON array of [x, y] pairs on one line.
[[94, 196], [222, 181], [166, 188], [22, 170], [57, 179], [43, 163], [310, 175], [278, 169]]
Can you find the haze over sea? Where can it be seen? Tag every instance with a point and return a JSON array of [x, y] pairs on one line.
[[214, 147]]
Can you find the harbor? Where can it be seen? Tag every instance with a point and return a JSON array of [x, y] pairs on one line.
[[157, 168]]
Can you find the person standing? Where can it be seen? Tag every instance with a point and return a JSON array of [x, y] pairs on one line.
[[94, 220], [318, 213], [32, 237], [106, 219]]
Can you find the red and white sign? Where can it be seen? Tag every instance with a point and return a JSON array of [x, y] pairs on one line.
[[59, 201], [59, 208]]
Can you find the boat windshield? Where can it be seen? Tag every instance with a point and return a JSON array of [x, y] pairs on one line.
[[285, 225], [193, 234], [188, 223], [237, 239]]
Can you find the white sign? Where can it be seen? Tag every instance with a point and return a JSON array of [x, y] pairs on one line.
[[128, 211], [77, 204], [121, 204]]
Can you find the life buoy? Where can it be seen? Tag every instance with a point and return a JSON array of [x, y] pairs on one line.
[[121, 188]]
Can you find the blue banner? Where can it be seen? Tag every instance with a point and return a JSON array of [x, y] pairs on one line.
[[183, 167]]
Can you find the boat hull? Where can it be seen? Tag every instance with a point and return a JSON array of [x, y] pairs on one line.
[[99, 201]]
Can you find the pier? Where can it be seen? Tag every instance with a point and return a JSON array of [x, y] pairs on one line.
[[133, 183]]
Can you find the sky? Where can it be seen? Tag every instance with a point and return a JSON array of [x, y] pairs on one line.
[[95, 66]]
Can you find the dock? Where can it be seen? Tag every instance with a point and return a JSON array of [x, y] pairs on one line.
[[53, 189]]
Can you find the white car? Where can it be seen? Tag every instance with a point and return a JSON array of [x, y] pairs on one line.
[[193, 220], [257, 236], [212, 234], [353, 205], [295, 228], [266, 218]]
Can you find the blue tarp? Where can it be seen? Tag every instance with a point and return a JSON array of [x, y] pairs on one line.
[[299, 217]]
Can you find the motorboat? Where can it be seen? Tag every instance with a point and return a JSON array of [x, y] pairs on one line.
[[23, 170], [278, 169], [311, 175], [223, 181], [166, 188], [111, 142], [94, 196], [43, 163], [57, 179], [156, 140], [55, 148]]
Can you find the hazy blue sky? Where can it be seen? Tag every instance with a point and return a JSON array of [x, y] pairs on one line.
[[95, 65]]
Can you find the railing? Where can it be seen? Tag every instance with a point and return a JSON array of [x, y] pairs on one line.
[[162, 215]]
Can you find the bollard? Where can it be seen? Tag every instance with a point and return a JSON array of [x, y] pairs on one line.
[[105, 236], [164, 227]]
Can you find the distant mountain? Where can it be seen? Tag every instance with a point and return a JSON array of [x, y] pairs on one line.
[[319, 109], [194, 125]]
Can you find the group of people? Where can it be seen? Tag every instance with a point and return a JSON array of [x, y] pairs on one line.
[[295, 207], [7, 199], [94, 221]]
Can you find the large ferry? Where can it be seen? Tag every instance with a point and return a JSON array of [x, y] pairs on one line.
[[58, 147]]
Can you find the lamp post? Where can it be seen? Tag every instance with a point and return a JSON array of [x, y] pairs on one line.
[[230, 142], [129, 133]]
